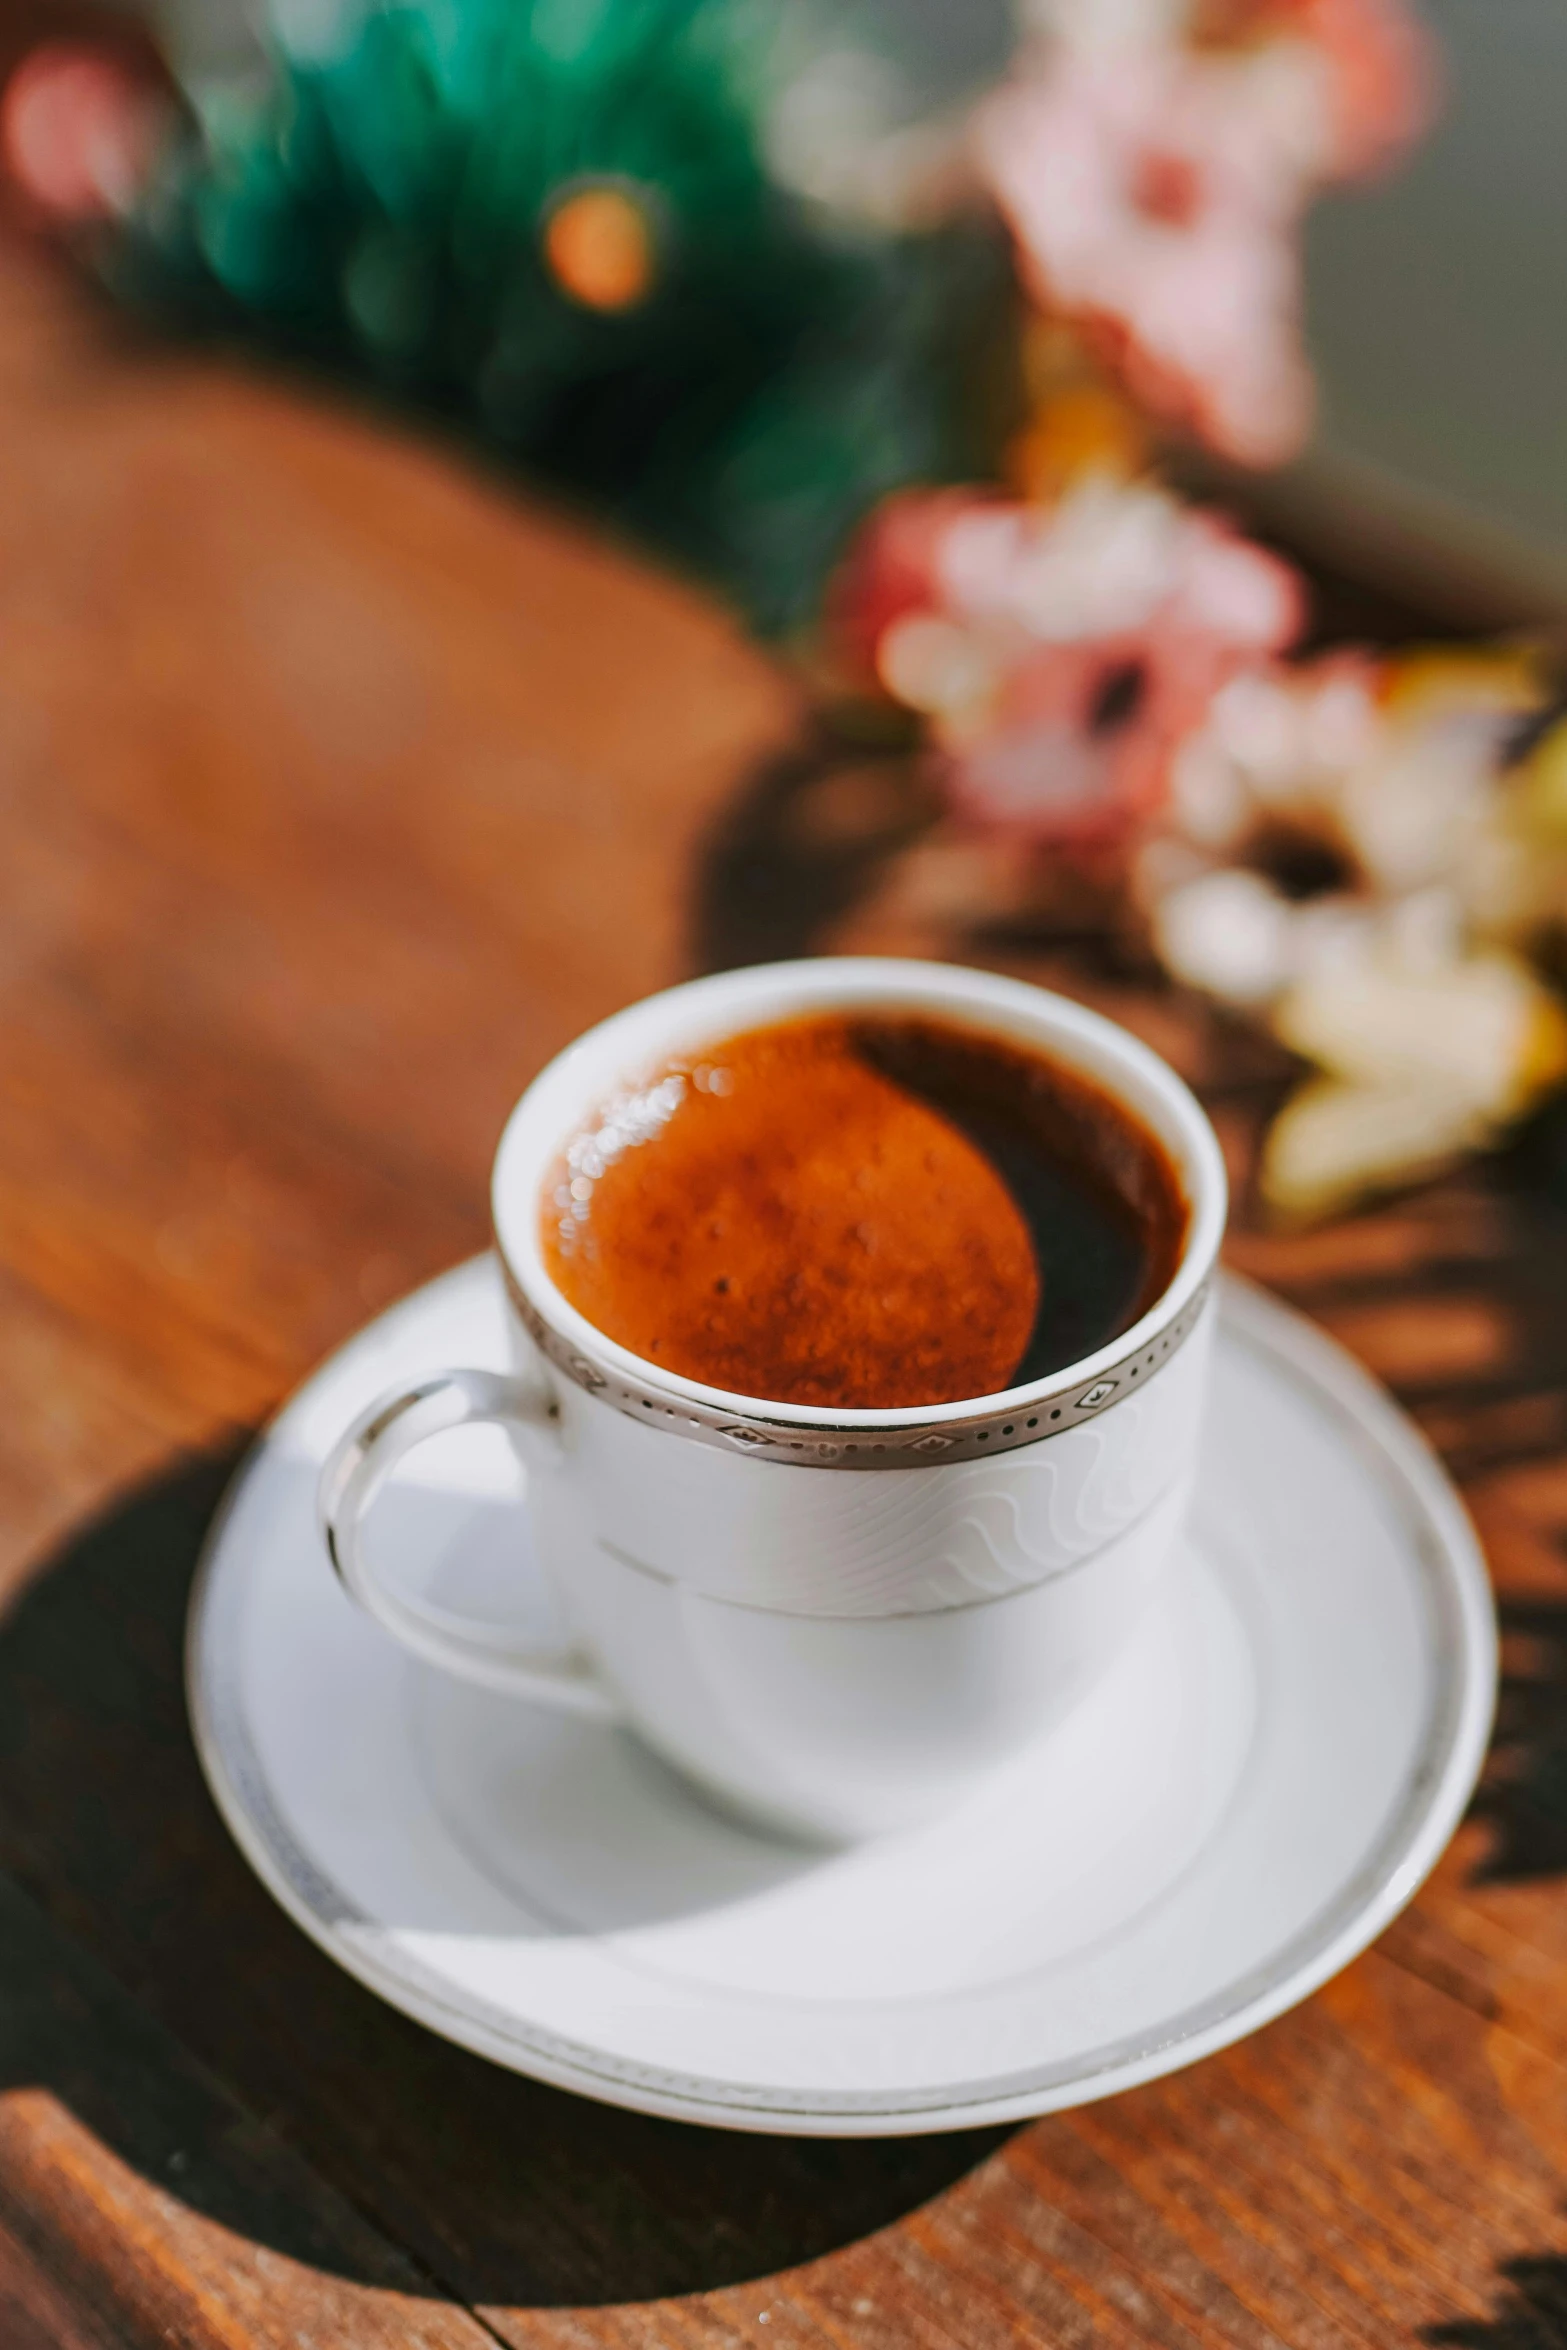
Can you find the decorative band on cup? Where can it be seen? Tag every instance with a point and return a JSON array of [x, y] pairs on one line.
[[825, 1446]]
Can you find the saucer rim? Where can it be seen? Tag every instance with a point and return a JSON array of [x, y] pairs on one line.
[[1440, 1778]]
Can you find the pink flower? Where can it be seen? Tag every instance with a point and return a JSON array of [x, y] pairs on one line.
[[1155, 190], [1062, 654], [1155, 193], [1078, 746], [890, 569], [1381, 72]]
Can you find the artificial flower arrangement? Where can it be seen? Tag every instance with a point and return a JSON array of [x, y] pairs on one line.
[[1367, 854], [750, 317]]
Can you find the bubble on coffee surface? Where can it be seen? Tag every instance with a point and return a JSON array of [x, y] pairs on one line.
[[624, 1121], [835, 1212]]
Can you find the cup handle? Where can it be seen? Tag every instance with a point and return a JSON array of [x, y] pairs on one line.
[[360, 1463]]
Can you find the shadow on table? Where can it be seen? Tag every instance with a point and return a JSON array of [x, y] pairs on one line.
[[1523, 1795], [503, 2191], [1533, 2314], [801, 845]]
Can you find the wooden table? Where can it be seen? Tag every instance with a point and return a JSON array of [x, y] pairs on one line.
[[339, 789]]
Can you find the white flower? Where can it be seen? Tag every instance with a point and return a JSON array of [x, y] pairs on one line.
[[1425, 1057]]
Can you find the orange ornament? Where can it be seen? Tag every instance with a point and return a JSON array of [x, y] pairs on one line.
[[1084, 428], [79, 128], [599, 247]]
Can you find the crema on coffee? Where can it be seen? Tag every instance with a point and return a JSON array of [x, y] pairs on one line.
[[863, 1212]]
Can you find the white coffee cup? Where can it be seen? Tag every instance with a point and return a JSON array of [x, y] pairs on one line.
[[835, 1621]]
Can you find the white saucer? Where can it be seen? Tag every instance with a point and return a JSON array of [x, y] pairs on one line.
[[1262, 1783]]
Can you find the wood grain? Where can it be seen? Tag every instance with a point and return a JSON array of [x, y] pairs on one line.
[[339, 787], [112, 2141]]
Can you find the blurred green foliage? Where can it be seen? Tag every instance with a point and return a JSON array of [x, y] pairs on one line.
[[379, 210]]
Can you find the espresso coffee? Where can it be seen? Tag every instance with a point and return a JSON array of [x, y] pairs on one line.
[[866, 1212]]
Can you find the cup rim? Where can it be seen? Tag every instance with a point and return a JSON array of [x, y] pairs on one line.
[[682, 1018]]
